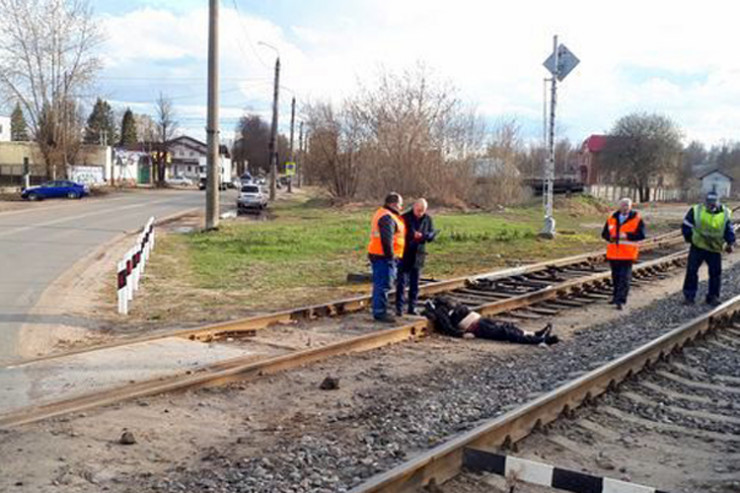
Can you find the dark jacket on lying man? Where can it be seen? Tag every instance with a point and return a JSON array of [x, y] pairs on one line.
[[457, 320]]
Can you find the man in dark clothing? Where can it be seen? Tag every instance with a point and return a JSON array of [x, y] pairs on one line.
[[387, 238], [708, 228], [623, 230], [419, 231], [460, 321]]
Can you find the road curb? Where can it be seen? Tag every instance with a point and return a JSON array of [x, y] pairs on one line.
[[62, 285]]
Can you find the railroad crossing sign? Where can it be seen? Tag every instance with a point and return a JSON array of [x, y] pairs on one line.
[[567, 61], [290, 168]]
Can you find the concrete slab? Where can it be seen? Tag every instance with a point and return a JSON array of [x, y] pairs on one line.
[[63, 378]]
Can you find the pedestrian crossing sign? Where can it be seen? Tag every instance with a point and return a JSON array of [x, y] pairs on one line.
[[290, 168]]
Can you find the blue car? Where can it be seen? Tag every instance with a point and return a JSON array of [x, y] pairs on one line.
[[55, 189]]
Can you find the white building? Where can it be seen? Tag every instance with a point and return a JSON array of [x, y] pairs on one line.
[[717, 182], [4, 129]]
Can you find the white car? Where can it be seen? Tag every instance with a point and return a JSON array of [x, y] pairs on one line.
[[251, 197], [179, 181]]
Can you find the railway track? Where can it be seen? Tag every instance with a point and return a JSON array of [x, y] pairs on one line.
[[530, 292], [678, 395]]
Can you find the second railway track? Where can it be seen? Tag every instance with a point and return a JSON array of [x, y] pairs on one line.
[[529, 293], [668, 417]]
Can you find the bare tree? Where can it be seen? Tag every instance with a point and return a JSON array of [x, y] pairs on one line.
[[335, 148], [498, 175], [407, 132], [47, 56], [420, 138], [642, 150], [165, 130], [146, 129]]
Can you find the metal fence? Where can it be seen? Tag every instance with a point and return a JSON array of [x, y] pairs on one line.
[[11, 175]]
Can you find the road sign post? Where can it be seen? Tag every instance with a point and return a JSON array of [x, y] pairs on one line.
[[560, 63], [290, 168]]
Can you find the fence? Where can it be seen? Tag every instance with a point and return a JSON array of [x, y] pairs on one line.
[[131, 268], [11, 175], [613, 193]]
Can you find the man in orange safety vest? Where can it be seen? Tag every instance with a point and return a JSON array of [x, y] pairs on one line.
[[623, 230], [387, 240]]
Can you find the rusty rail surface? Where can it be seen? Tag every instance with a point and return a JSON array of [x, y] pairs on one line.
[[246, 367], [445, 461], [349, 305]]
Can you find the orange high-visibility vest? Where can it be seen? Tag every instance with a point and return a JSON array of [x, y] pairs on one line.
[[622, 248], [375, 247]]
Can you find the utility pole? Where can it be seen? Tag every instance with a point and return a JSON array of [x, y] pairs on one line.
[[548, 230], [560, 63], [212, 161], [292, 152], [298, 165], [273, 132]]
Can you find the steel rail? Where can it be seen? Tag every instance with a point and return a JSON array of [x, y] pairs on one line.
[[246, 367], [241, 368], [347, 305], [445, 461]]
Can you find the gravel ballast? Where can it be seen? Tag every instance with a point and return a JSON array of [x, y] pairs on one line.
[[407, 415]]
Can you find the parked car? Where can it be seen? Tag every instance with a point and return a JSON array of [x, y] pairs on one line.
[[56, 189], [179, 181], [251, 197], [203, 183]]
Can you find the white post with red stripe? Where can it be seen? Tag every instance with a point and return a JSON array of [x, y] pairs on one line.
[[122, 290], [131, 268]]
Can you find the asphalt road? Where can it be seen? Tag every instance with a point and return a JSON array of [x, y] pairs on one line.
[[37, 245]]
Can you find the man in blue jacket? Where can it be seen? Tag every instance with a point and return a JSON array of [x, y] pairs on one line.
[[419, 232], [708, 228]]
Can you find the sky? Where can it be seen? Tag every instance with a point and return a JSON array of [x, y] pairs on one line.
[[675, 58]]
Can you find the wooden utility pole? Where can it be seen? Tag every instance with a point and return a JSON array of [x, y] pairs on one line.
[[213, 167], [273, 133], [299, 165], [292, 152]]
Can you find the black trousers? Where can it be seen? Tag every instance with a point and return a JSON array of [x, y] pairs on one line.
[[698, 256], [621, 277], [504, 331]]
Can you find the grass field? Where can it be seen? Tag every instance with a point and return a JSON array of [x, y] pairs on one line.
[[305, 251]]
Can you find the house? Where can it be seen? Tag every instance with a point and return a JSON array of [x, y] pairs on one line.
[[717, 182], [188, 153], [4, 129], [590, 159]]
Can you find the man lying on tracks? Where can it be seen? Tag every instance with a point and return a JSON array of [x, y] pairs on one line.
[[457, 320]]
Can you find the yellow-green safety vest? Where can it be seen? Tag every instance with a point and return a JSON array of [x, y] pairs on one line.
[[709, 229]]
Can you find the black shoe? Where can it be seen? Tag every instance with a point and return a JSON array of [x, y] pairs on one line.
[[414, 311], [550, 340], [713, 302], [399, 313], [386, 319], [545, 331], [688, 301], [619, 306]]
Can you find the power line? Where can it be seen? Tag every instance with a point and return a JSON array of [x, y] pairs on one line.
[[249, 39]]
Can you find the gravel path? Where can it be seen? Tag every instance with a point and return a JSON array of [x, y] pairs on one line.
[[403, 416]]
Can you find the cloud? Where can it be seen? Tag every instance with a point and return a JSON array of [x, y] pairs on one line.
[[635, 55]]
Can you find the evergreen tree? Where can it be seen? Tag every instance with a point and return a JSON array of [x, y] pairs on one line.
[[128, 129], [101, 125], [18, 127]]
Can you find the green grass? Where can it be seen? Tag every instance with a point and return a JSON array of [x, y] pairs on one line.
[[309, 245]]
